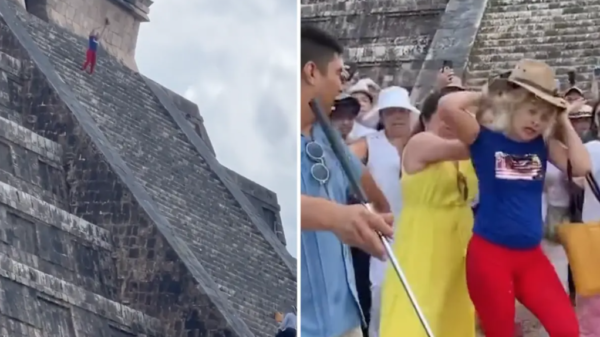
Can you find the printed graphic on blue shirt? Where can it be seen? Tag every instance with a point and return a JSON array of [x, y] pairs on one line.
[[518, 167]]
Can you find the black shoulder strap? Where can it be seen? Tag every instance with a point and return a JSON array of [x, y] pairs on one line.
[[592, 183]]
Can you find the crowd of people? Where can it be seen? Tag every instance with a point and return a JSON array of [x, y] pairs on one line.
[[470, 188]]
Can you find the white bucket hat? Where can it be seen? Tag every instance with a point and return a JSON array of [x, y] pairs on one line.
[[395, 97]]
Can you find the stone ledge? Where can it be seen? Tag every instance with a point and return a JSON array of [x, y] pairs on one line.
[[499, 3], [557, 14], [535, 41], [44, 266], [529, 6], [550, 17], [375, 53], [30, 140], [66, 292], [360, 7], [557, 27], [33, 189], [518, 47], [558, 58], [506, 34], [54, 216]]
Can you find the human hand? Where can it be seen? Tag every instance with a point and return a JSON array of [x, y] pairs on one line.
[[357, 226]]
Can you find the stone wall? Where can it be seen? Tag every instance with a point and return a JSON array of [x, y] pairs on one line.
[[58, 272], [562, 33], [387, 39]]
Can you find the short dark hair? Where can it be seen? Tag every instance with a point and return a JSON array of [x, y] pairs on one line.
[[318, 46]]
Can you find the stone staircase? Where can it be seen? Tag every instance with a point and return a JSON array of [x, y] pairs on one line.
[[388, 40], [188, 251], [57, 271], [563, 33]]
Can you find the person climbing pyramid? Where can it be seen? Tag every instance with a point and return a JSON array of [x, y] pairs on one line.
[[93, 42]]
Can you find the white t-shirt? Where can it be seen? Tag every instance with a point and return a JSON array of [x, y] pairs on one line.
[[591, 205], [360, 131], [556, 187]]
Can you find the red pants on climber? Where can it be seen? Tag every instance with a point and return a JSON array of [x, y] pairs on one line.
[[93, 42]]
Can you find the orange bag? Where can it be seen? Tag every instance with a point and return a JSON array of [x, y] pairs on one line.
[[582, 244]]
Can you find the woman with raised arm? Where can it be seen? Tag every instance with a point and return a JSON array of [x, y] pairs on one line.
[[588, 308], [434, 227], [504, 258]]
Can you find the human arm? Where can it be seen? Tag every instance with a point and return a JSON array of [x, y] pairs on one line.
[[360, 149], [319, 214], [103, 28], [373, 192], [452, 109], [572, 150], [426, 148], [354, 225]]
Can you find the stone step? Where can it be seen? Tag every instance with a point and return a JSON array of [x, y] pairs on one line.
[[551, 15], [532, 7], [31, 163], [360, 7], [561, 27], [501, 3], [551, 47], [56, 242], [53, 306], [580, 64], [560, 58], [533, 42], [556, 17], [505, 33], [379, 53], [584, 75]]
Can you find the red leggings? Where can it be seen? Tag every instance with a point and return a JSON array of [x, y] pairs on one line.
[[90, 59], [497, 275]]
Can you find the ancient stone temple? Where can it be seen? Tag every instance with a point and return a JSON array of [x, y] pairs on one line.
[[404, 42], [116, 218]]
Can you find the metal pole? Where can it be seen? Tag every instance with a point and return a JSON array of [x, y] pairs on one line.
[[336, 145]]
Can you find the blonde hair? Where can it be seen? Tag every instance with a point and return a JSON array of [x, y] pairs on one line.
[[502, 105]]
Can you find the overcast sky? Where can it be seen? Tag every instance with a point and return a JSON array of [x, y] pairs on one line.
[[237, 61]]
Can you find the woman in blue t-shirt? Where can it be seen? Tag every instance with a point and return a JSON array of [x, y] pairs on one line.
[[504, 258]]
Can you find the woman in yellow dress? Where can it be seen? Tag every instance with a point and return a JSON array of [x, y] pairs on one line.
[[434, 228]]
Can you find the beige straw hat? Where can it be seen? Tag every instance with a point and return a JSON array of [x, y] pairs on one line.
[[584, 112], [537, 78]]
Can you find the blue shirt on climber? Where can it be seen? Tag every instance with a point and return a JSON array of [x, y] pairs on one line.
[[511, 181], [93, 43]]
